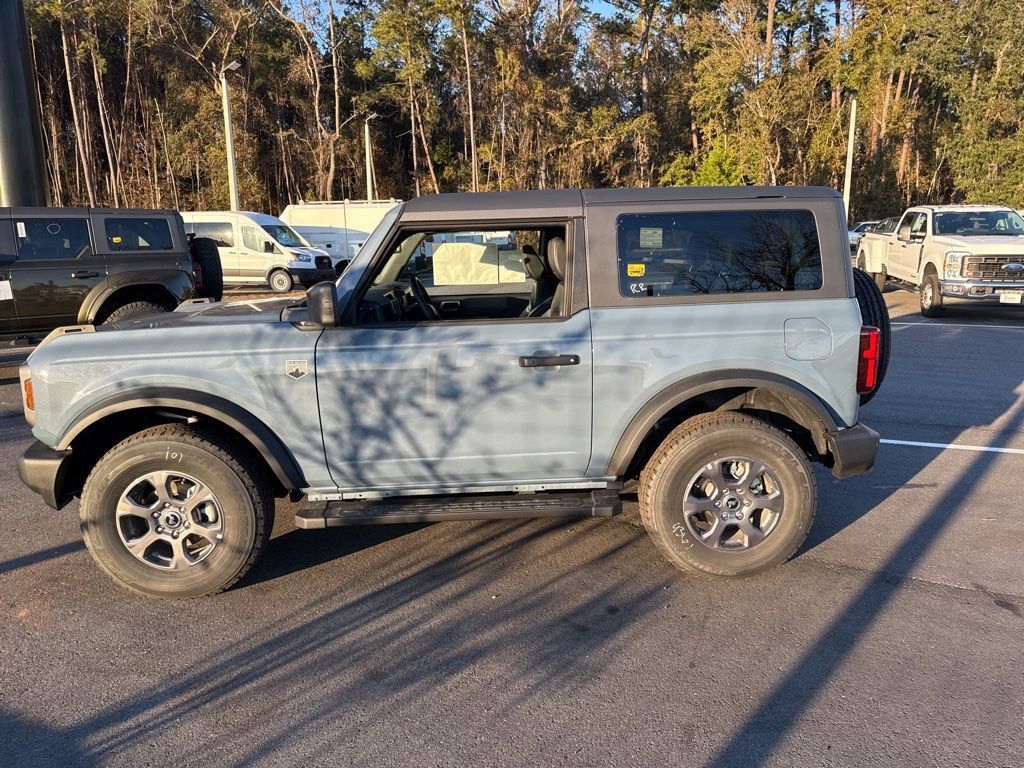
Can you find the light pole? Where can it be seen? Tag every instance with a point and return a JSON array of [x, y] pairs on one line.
[[851, 136], [368, 149], [229, 134]]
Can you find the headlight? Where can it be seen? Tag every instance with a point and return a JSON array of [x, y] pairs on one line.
[[303, 257], [951, 264]]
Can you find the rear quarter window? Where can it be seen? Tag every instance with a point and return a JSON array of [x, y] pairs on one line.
[[718, 252], [138, 234], [218, 231]]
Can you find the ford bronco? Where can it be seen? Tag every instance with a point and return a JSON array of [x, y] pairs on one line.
[[486, 356]]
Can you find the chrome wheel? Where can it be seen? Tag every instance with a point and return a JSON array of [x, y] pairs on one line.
[[169, 520], [732, 504], [927, 296]]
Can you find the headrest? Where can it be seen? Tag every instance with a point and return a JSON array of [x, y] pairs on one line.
[[557, 257], [533, 262]]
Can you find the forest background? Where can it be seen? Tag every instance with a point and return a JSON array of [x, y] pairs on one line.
[[522, 94]]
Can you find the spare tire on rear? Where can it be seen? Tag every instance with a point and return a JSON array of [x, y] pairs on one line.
[[874, 312], [206, 256]]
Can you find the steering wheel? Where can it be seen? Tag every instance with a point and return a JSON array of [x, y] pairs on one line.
[[419, 294]]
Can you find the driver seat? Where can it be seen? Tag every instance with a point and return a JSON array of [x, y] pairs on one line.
[[550, 287]]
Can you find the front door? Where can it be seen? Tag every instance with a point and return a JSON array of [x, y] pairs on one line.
[[54, 272], [472, 396], [905, 245], [448, 403]]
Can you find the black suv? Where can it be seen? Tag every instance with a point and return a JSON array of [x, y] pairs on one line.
[[63, 266]]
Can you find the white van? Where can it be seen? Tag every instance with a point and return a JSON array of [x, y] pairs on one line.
[[259, 249], [358, 215], [341, 245]]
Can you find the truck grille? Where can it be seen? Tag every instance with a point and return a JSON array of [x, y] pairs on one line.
[[323, 262], [991, 268]]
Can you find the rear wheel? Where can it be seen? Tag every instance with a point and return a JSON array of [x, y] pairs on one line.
[[280, 281], [873, 311], [727, 494], [129, 310], [931, 296], [175, 513]]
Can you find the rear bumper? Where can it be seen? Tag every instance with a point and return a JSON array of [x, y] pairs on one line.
[[977, 291], [853, 450], [44, 470]]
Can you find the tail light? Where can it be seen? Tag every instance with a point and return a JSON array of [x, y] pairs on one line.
[[868, 359], [197, 274]]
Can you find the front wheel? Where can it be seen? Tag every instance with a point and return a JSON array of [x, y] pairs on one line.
[[280, 281], [172, 512], [727, 494], [931, 296]]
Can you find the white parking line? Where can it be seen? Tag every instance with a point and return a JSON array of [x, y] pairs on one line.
[[954, 446], [962, 325]]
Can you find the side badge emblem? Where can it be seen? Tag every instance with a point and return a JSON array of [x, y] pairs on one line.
[[296, 368]]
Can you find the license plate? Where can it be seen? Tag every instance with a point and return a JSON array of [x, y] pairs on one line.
[[1011, 297]]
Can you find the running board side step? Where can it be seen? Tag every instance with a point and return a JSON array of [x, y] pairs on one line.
[[432, 509]]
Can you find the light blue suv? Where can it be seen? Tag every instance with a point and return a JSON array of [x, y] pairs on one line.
[[496, 355]]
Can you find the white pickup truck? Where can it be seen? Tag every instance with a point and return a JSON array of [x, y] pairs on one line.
[[970, 252]]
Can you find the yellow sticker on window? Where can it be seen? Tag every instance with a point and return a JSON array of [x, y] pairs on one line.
[[636, 270], [116, 239]]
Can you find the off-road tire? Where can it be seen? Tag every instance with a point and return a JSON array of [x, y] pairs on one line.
[[205, 254], [225, 466], [874, 311], [930, 307], [280, 281], [130, 310], [685, 451]]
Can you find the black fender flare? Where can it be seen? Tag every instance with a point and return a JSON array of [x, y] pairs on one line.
[[202, 404], [175, 282], [810, 411]]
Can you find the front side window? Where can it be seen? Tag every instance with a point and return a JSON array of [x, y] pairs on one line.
[[913, 223], [40, 239], [218, 231], [138, 235], [711, 252], [253, 239], [284, 235], [471, 275]]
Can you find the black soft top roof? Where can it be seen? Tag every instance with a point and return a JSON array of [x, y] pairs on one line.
[[553, 203]]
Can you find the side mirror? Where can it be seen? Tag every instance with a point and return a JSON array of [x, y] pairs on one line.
[[322, 305], [268, 247]]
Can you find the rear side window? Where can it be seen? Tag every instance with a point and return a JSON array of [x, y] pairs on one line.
[[138, 235], [41, 239], [708, 252], [218, 231]]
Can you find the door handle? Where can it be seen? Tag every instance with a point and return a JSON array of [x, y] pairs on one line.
[[543, 361], [84, 274]]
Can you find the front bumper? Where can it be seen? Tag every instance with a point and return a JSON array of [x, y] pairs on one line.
[[45, 470], [310, 277], [853, 450], [978, 291]]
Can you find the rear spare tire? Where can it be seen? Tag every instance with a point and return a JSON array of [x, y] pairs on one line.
[[874, 312], [207, 258]]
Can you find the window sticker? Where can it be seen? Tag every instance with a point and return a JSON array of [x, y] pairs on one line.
[[650, 237], [636, 270], [116, 238], [5, 290], [21, 229]]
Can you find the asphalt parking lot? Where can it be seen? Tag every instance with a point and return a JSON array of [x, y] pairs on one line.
[[893, 638]]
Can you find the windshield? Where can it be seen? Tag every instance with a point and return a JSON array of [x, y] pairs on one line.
[[285, 235], [971, 223]]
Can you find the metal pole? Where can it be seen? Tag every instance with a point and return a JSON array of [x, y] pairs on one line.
[[229, 140], [369, 158], [23, 175], [849, 155]]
